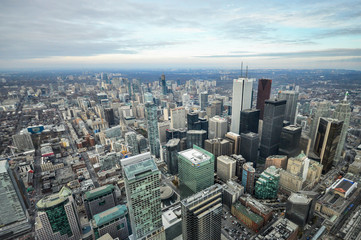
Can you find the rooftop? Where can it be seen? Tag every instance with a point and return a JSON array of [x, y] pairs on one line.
[[109, 215], [195, 156], [54, 199], [344, 185], [100, 191], [138, 164], [248, 213], [299, 198]]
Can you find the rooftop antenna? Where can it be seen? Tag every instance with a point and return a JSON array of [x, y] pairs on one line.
[[241, 68], [246, 71]]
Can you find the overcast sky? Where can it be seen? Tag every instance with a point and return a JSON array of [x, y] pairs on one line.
[[180, 34]]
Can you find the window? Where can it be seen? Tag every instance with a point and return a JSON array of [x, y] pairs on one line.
[[120, 226], [101, 203]]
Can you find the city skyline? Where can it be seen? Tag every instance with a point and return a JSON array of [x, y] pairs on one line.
[[52, 35]]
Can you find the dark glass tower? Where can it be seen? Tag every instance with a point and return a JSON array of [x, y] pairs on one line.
[[249, 147], [172, 148], [290, 140], [249, 120], [263, 94], [164, 85], [274, 111]]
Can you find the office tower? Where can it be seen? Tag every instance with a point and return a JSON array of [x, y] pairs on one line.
[[196, 137], [226, 168], [114, 221], [142, 142], [305, 143], [152, 124], [196, 170], [322, 110], [326, 141], [131, 141], [217, 147], [218, 107], [241, 99], [248, 174], [249, 121], [13, 215], [291, 105], [267, 184], [290, 139], [299, 209], [162, 129], [203, 100], [148, 97], [249, 147], [23, 142], [192, 119], [239, 165], [217, 127], [263, 94], [231, 192], [109, 116], [58, 217], [235, 141], [99, 200], [272, 127], [176, 133], [172, 148], [142, 187], [342, 113], [279, 161], [211, 111], [164, 85], [202, 214], [178, 118]]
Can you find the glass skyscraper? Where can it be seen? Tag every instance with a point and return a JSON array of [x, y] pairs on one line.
[[152, 123]]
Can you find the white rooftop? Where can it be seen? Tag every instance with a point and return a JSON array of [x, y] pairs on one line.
[[195, 156]]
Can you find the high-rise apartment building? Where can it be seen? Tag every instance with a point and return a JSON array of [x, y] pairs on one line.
[[290, 139], [249, 147], [142, 186], [196, 170], [267, 184], [241, 99], [202, 214], [342, 113], [178, 118], [248, 175], [99, 200], [13, 215], [172, 148], [263, 94], [58, 217], [132, 143], [272, 126], [203, 100], [249, 120], [152, 124], [218, 127], [326, 141], [291, 105], [226, 168]]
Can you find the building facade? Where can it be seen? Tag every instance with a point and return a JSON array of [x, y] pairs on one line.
[[152, 124], [263, 94], [217, 127], [249, 120], [249, 147], [99, 200], [248, 175], [267, 184], [291, 106], [226, 168]]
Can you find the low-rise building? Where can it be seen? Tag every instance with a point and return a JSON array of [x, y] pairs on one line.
[[245, 215], [282, 229]]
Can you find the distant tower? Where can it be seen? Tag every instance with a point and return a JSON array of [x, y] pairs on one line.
[[164, 85], [264, 93], [152, 123], [217, 127], [203, 100], [322, 110], [249, 121], [342, 113], [178, 118], [142, 187], [272, 127], [326, 141], [291, 105], [202, 214], [241, 99], [13, 215], [196, 170]]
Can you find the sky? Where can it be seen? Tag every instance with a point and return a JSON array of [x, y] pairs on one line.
[[47, 34]]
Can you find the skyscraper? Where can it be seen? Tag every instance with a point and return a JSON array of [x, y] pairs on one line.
[[172, 148], [290, 139], [299, 209], [152, 124], [248, 174], [322, 110], [217, 127], [196, 170], [249, 120], [272, 126], [164, 85], [218, 147], [58, 217], [131, 140], [192, 119], [267, 184], [263, 94], [249, 147], [203, 100], [342, 113], [178, 118], [235, 140], [241, 99], [202, 214], [99, 200], [196, 137], [109, 116], [291, 105], [326, 141], [142, 186], [226, 168], [13, 214]]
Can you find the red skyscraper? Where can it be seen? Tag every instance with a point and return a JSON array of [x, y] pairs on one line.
[[264, 93]]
